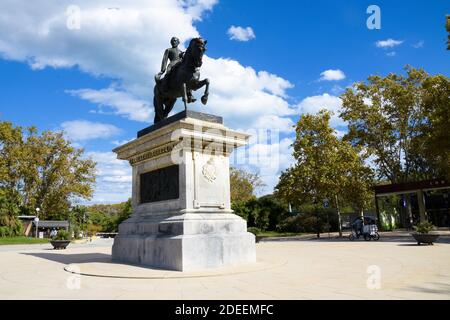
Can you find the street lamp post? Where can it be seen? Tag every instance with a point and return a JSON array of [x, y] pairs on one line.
[[36, 220]]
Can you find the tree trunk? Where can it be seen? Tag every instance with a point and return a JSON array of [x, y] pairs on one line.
[[318, 224], [409, 210], [422, 206], [377, 209], [339, 216]]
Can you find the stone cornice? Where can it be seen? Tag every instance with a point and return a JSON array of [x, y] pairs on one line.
[[199, 133], [153, 153]]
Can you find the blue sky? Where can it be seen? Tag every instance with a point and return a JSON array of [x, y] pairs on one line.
[[284, 58]]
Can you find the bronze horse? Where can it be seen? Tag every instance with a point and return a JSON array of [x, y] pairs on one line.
[[183, 78]]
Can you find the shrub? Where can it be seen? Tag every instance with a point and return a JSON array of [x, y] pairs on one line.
[[93, 229], [308, 223], [387, 220], [18, 229], [254, 230], [274, 210], [263, 213], [62, 235], [424, 227], [75, 230], [5, 232], [10, 225], [247, 210], [11, 231], [298, 224]]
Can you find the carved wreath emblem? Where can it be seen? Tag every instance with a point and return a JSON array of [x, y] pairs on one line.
[[209, 171]]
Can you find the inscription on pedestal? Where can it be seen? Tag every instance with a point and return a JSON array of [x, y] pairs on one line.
[[159, 185]]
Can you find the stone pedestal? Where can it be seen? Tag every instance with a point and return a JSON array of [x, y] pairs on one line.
[[182, 219]]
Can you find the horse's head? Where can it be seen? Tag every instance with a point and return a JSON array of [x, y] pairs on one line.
[[195, 51]]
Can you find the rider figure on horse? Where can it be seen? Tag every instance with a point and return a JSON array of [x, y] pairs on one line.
[[173, 56]]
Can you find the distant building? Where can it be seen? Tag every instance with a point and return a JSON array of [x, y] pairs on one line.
[[44, 226], [428, 201]]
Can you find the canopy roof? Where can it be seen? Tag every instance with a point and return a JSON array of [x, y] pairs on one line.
[[53, 224], [410, 187]]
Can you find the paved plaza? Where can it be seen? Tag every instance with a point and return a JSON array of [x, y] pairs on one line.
[[393, 268]]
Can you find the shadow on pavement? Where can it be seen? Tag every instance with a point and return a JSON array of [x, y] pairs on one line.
[[433, 287], [72, 258]]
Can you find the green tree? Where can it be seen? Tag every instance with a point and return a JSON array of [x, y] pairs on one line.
[[354, 177], [274, 209], [79, 219], [264, 213], [402, 123], [326, 168], [10, 225], [108, 217], [432, 143], [12, 151], [125, 213], [243, 184], [251, 211], [102, 221], [43, 171]]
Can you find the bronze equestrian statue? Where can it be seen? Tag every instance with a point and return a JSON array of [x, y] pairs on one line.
[[181, 78]]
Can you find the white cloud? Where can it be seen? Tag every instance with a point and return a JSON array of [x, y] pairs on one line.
[[113, 182], [196, 8], [82, 130], [284, 124], [314, 104], [391, 54], [332, 75], [126, 44], [241, 34], [266, 158], [389, 43], [121, 102], [243, 96]]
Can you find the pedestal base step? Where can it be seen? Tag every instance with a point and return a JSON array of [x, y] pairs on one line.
[[185, 252]]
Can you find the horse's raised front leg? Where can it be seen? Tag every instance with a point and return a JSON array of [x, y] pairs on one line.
[[206, 94], [195, 85]]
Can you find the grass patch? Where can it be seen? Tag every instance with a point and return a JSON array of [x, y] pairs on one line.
[[278, 234], [21, 240]]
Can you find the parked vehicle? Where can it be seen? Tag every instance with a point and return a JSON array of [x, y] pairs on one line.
[[367, 228]]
